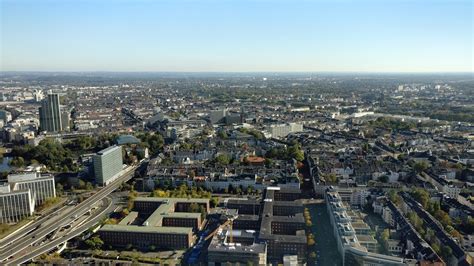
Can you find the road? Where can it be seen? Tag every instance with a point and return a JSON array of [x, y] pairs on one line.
[[19, 244], [23, 231], [36, 251]]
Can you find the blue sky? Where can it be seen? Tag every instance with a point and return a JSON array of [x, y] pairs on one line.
[[245, 35]]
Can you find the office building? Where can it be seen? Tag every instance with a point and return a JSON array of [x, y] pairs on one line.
[[42, 187], [282, 130], [52, 117], [264, 231], [243, 250], [143, 237], [15, 205], [166, 223], [217, 116], [5, 116], [108, 164]]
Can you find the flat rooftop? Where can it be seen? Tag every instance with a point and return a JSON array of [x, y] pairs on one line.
[[171, 200], [23, 177], [146, 229], [109, 150]]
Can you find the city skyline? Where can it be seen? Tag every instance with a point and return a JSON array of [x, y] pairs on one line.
[[230, 36]]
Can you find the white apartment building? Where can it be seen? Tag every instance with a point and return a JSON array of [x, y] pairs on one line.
[[282, 130]]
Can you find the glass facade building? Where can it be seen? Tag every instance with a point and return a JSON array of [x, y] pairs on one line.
[[52, 118], [108, 164]]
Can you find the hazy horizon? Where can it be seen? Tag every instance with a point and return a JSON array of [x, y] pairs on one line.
[[249, 36]]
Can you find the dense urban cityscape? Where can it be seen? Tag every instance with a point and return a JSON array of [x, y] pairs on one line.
[[236, 168], [237, 132]]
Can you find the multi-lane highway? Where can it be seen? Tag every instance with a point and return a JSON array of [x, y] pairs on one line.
[[30, 227], [17, 245], [35, 251]]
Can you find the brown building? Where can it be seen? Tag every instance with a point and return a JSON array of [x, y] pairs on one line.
[[278, 225], [143, 237], [169, 223]]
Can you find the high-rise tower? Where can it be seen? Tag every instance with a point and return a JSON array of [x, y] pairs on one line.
[[52, 119]]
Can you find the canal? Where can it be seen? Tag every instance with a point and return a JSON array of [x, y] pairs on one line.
[[325, 247]]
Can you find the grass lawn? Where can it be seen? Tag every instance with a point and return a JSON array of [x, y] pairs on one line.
[[5, 230]]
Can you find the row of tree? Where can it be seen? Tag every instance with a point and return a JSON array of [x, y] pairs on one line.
[[286, 153], [184, 191], [49, 152]]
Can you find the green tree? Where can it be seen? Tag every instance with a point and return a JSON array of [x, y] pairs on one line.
[[222, 134], [430, 236], [420, 166], [296, 152], [331, 178], [422, 196], [416, 221], [154, 142], [365, 147], [89, 186], [94, 242], [443, 218], [214, 202], [18, 162], [384, 236], [269, 162], [125, 212], [222, 159], [436, 248], [394, 197], [446, 252], [310, 240]]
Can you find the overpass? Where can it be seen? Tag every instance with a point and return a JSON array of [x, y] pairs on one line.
[[19, 244]]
